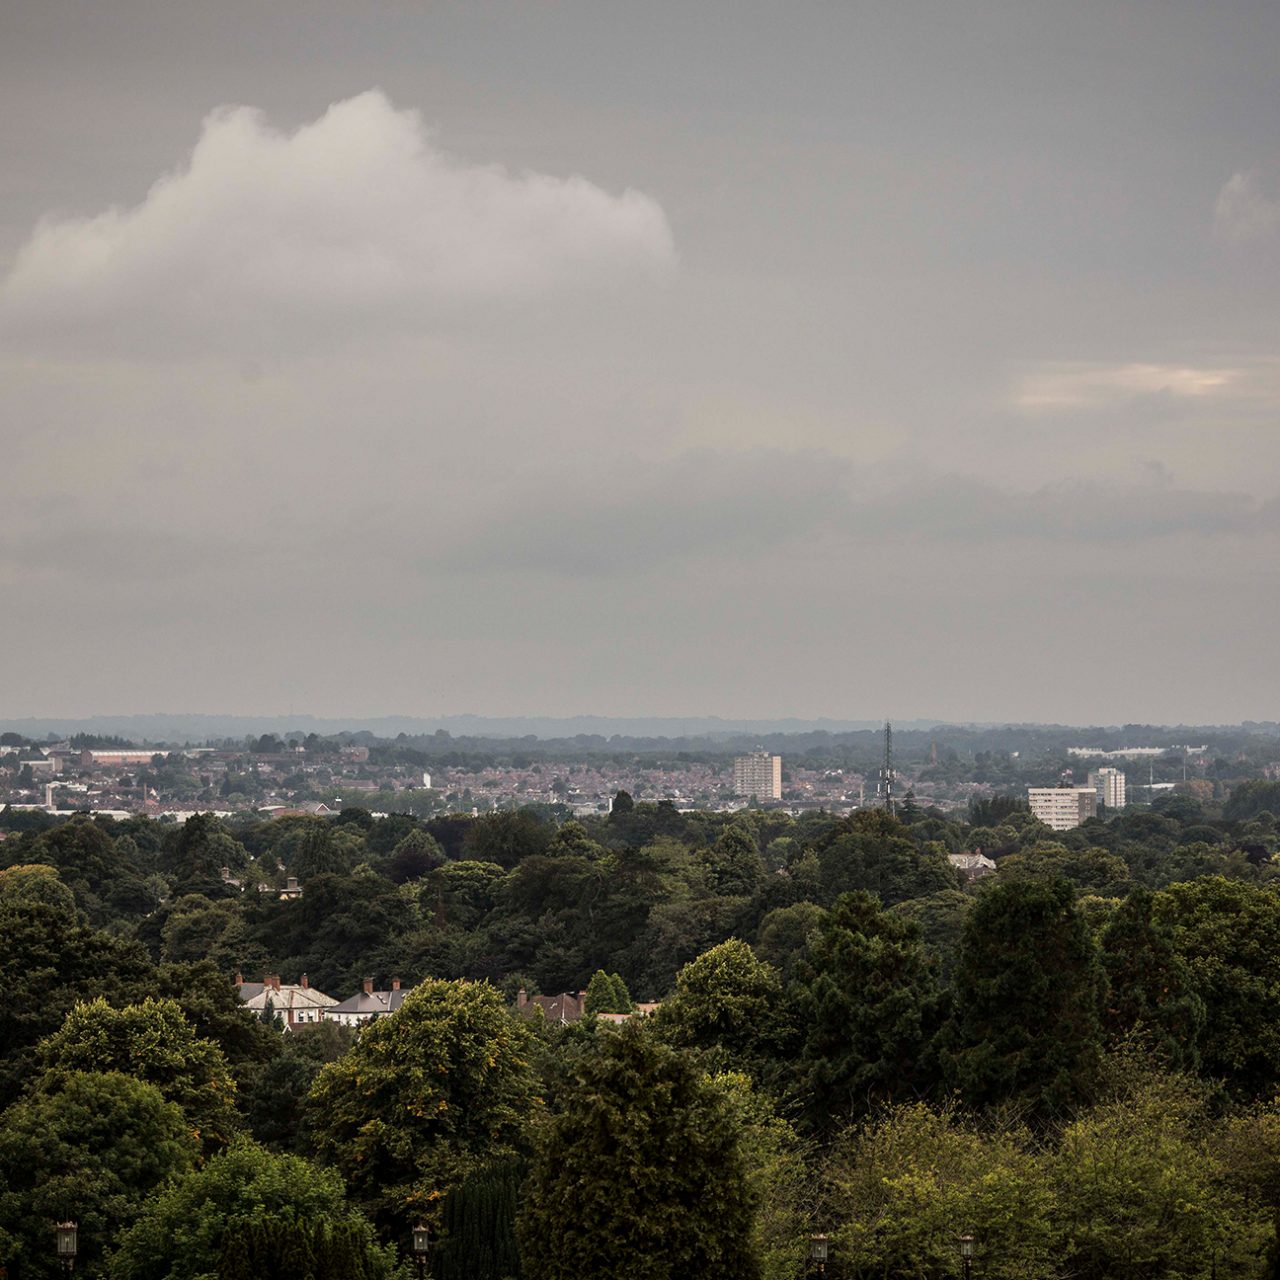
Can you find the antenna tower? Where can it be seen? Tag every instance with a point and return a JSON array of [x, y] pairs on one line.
[[886, 772]]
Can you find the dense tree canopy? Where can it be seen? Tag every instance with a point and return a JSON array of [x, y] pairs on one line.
[[155, 1043], [89, 1146], [868, 1000], [1028, 992], [940, 1017], [424, 1098], [640, 1174], [183, 1232]]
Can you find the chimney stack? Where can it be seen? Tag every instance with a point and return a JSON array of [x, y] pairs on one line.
[[522, 998], [304, 982], [395, 984], [367, 984], [271, 980], [239, 978]]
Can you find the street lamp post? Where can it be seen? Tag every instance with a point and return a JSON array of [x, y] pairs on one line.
[[966, 1255], [818, 1252], [65, 1243], [421, 1243]]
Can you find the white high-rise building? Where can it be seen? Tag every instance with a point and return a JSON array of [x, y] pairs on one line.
[[1063, 807], [758, 774], [1110, 786]]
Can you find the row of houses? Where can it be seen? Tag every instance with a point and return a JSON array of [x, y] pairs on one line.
[[300, 1004]]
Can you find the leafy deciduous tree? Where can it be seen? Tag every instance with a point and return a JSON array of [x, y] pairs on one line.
[[427, 1095], [152, 1042]]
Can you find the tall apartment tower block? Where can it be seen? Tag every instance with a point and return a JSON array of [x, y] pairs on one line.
[[1063, 807], [758, 774], [1110, 786]]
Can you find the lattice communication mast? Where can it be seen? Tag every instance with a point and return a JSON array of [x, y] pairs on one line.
[[886, 772]]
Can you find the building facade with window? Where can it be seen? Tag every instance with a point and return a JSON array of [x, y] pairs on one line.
[[758, 774], [1063, 807]]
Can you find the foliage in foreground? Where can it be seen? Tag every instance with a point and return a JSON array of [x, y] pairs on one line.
[[1142, 1185], [243, 1194], [640, 1175], [424, 1099]]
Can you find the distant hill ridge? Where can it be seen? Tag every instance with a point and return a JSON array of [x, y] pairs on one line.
[[196, 728]]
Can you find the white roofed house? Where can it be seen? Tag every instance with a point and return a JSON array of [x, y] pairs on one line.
[[367, 1004], [298, 1005]]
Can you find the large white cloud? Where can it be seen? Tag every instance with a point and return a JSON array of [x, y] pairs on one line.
[[354, 222]]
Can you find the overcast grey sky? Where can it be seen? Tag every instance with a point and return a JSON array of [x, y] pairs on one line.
[[649, 359]]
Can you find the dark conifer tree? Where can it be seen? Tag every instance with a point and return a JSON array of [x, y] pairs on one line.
[[868, 1001], [640, 1176], [1028, 992]]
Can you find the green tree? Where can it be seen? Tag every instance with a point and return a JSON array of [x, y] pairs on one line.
[[509, 838], [152, 1042], [238, 1193], [194, 856], [730, 1005], [105, 880], [1150, 987], [781, 1185], [621, 996], [647, 1152], [607, 993], [212, 1006], [1228, 933], [1252, 798], [275, 1093], [49, 960], [785, 933], [941, 918], [1091, 870], [36, 883], [88, 1146], [1139, 1195], [415, 855], [868, 1000], [478, 1238], [906, 1184], [733, 864], [461, 893], [871, 851], [599, 997], [197, 928], [1028, 994], [426, 1096]]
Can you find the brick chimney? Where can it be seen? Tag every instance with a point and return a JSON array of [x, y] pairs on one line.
[[304, 982], [239, 979], [367, 984], [271, 980], [395, 984], [522, 998]]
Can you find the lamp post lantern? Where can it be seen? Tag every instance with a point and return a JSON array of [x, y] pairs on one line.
[[421, 1244], [966, 1255], [65, 1243], [818, 1252]]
